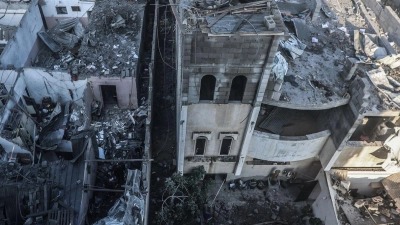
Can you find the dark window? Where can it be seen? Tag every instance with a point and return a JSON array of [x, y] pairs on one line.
[[200, 146], [226, 145], [207, 88], [61, 10], [76, 8], [237, 88]]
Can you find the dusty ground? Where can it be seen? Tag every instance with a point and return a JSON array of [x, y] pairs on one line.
[[253, 206]]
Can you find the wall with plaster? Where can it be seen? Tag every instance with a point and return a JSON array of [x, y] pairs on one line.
[[50, 12], [362, 180], [18, 51], [322, 206], [215, 118], [361, 155], [125, 87], [273, 147]]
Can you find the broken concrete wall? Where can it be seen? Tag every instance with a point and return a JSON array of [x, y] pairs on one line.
[[387, 18], [125, 87], [366, 181], [214, 118], [278, 148], [225, 58], [22, 49], [49, 9]]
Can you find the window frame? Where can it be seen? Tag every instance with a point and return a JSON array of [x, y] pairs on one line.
[[59, 12], [243, 91], [205, 145], [202, 88], [230, 146], [76, 7]]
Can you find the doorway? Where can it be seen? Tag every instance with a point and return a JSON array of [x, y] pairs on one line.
[[109, 93]]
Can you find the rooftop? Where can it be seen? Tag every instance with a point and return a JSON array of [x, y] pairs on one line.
[[231, 17]]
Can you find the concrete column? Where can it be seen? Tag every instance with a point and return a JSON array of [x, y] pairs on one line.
[[317, 10], [182, 138], [246, 139]]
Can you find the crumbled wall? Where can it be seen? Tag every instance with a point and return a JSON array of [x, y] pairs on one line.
[[387, 18]]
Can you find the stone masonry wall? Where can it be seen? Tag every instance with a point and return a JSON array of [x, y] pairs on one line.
[[225, 58], [387, 18], [343, 121]]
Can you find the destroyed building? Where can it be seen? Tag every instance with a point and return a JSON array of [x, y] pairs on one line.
[[74, 108], [256, 97]]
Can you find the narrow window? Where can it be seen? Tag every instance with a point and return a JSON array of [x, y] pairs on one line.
[[237, 88], [76, 8], [226, 145], [200, 146], [61, 10], [207, 88]]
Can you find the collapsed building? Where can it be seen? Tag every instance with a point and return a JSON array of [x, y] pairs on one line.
[[256, 97], [74, 108]]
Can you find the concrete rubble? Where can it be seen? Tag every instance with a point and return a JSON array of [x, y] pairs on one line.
[[108, 46]]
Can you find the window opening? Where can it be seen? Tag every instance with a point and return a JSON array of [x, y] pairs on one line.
[[207, 88]]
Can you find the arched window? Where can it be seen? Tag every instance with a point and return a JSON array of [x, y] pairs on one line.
[[226, 145], [207, 88], [200, 146], [237, 88]]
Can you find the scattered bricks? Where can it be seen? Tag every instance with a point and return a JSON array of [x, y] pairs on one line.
[[360, 203], [269, 22], [373, 207], [377, 199]]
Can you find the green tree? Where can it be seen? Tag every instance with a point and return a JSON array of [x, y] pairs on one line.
[[182, 198]]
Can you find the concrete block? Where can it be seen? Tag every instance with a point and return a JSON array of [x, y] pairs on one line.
[[269, 22], [350, 68], [278, 85], [270, 85], [274, 95]]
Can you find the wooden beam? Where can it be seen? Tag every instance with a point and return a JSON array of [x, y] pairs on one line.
[[217, 19], [229, 9]]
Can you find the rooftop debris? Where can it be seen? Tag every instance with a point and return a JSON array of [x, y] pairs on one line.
[[293, 46], [368, 50], [381, 208], [218, 17], [108, 46], [280, 67]]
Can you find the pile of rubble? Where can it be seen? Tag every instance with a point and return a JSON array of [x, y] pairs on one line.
[[109, 46]]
